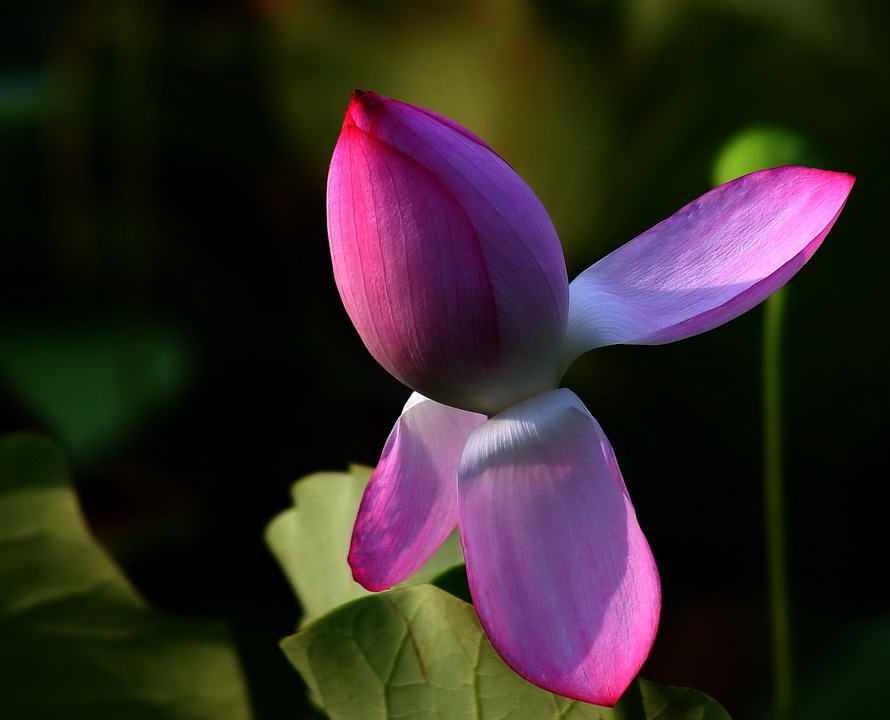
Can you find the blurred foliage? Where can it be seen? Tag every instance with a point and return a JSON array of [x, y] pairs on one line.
[[167, 310], [849, 679], [93, 386], [758, 148], [78, 642]]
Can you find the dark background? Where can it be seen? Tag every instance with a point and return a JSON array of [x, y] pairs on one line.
[[168, 313]]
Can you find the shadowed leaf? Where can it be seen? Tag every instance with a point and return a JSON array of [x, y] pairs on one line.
[[77, 641]]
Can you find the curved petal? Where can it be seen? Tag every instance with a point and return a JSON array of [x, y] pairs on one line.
[[561, 575], [517, 238], [708, 263], [428, 317], [448, 264], [410, 504]]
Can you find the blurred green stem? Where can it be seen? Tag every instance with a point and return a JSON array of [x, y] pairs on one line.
[[774, 503]]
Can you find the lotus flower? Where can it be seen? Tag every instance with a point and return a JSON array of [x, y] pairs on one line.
[[453, 275]]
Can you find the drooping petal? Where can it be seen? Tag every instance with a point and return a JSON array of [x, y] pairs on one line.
[[410, 504], [708, 263], [446, 261], [561, 575]]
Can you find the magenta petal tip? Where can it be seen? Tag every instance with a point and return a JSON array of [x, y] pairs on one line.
[[711, 261]]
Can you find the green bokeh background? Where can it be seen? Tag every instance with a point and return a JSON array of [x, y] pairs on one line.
[[168, 315]]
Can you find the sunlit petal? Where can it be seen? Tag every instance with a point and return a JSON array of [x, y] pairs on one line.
[[708, 263], [561, 575], [410, 504]]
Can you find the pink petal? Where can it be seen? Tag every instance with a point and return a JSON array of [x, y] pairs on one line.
[[410, 504], [428, 317], [561, 575], [708, 263], [446, 261]]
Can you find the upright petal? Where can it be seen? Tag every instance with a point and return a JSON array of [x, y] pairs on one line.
[[410, 504], [708, 263], [446, 261], [561, 575]]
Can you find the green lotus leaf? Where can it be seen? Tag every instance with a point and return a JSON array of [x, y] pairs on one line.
[[419, 653], [77, 640]]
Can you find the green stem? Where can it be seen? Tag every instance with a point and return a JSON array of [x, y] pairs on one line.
[[774, 506]]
